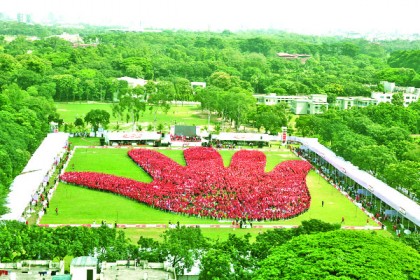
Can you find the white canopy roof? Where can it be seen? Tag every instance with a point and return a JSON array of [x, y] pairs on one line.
[[230, 136], [132, 136], [26, 184], [404, 205]]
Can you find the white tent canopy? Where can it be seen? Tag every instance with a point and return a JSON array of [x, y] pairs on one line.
[[230, 136], [131, 136], [25, 185], [404, 205]]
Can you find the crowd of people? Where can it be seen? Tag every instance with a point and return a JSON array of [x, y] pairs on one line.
[[206, 188], [185, 138]]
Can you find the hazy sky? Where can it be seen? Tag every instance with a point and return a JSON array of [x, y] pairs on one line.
[[306, 16]]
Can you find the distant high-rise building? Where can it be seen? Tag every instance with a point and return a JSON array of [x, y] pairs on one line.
[[20, 17], [26, 18]]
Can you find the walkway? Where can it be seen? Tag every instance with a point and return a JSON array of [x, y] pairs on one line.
[[268, 226]]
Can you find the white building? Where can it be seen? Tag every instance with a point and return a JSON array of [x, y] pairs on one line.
[[198, 84], [386, 97], [347, 102], [410, 94], [132, 82], [83, 268], [72, 38], [298, 104]]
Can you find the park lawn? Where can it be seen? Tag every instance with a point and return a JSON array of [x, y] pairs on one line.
[[78, 205], [220, 234], [84, 141], [178, 114], [69, 111]]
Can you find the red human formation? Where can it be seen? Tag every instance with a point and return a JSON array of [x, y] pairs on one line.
[[205, 188]]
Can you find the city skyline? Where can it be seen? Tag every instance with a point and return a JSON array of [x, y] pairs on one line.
[[301, 16]]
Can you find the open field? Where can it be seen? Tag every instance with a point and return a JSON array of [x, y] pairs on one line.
[[182, 115], [78, 205]]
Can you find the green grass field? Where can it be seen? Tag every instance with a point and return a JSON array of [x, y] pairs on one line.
[[182, 115], [78, 205]]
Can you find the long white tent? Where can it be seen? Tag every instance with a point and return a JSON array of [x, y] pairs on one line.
[[132, 136], [401, 203], [251, 137], [25, 185]]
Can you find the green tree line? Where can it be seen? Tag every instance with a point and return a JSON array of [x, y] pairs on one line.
[[313, 250], [376, 139], [336, 67]]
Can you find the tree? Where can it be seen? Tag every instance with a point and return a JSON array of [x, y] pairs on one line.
[[150, 250], [182, 246], [373, 157], [132, 102], [216, 264], [271, 239], [257, 44], [230, 259], [79, 123], [97, 118], [66, 87], [271, 118], [183, 90], [403, 175], [165, 92], [398, 99], [401, 76], [237, 103], [305, 125], [341, 254]]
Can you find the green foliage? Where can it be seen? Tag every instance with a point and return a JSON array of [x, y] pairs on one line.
[[150, 249], [24, 122], [398, 99], [375, 138], [216, 264], [412, 240], [343, 254], [22, 242], [271, 118], [97, 118], [246, 60], [406, 59], [182, 246], [270, 239]]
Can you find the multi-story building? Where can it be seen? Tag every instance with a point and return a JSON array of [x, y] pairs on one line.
[[132, 82], [298, 104], [410, 94], [317, 103], [347, 102], [273, 99]]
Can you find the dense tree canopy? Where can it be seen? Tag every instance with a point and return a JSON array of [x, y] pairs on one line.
[[225, 60], [341, 254], [376, 139], [22, 242]]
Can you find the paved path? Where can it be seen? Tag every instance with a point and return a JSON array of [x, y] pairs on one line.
[[201, 226]]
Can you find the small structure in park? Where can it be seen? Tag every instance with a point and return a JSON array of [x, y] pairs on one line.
[[185, 135], [251, 139], [132, 138], [289, 56], [83, 268]]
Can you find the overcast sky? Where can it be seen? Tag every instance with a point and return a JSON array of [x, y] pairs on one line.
[[305, 16]]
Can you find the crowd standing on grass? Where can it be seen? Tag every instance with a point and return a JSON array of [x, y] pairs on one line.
[[205, 188]]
